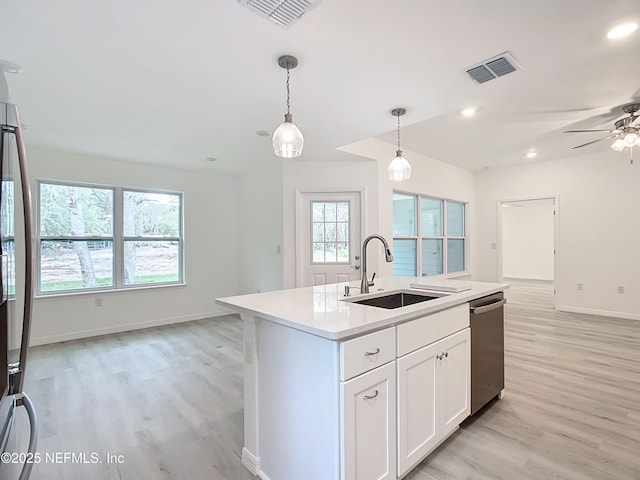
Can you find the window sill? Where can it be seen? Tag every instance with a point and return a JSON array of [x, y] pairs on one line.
[[108, 291]]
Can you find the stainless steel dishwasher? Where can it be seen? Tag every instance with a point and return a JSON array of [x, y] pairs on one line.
[[487, 349]]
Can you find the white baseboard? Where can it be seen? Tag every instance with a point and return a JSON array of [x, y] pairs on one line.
[[600, 313], [250, 461], [63, 337]]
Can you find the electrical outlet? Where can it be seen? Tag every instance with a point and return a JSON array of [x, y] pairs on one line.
[[621, 290], [580, 286], [98, 301]]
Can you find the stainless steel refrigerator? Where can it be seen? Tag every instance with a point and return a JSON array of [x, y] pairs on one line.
[[17, 292]]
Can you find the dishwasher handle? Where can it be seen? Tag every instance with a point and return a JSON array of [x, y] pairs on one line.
[[489, 307]]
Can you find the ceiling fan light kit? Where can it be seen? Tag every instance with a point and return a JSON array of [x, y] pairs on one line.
[[287, 138], [626, 134]]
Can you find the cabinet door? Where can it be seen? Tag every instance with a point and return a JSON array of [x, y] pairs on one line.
[[417, 422], [454, 381], [368, 425]]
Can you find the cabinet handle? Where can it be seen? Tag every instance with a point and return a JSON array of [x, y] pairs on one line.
[[439, 357], [446, 354], [369, 397], [367, 354]]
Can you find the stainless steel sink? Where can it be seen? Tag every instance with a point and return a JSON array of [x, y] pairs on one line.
[[395, 300]]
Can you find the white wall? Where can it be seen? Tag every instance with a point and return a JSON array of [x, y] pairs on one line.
[[527, 239], [598, 227], [260, 230], [307, 175], [210, 224]]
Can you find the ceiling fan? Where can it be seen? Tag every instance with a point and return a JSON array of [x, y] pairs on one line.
[[625, 133]]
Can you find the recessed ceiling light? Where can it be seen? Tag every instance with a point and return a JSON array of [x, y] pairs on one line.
[[532, 154], [622, 30], [468, 112], [263, 133], [211, 159]]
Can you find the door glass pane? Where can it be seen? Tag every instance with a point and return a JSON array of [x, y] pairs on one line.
[[318, 212], [149, 214], [318, 252], [330, 232], [330, 212], [430, 217], [343, 232], [455, 219], [343, 252], [431, 257], [318, 232], [404, 257], [404, 215], [151, 262], [455, 255], [70, 265]]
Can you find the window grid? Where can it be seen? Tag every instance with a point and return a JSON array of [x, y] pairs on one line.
[[330, 226], [111, 243], [445, 260]]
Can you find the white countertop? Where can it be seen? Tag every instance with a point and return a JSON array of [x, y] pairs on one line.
[[322, 310]]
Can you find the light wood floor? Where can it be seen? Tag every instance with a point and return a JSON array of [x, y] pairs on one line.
[[169, 400], [572, 402]]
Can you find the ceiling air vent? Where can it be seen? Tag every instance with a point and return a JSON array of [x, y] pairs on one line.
[[493, 68], [283, 12]]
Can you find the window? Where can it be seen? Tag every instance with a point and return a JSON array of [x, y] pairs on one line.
[[8, 238], [94, 237], [330, 235], [428, 236]]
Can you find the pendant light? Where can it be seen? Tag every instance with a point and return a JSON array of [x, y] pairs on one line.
[[287, 139], [399, 168]]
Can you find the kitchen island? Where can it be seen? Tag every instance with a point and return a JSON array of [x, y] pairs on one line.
[[336, 390]]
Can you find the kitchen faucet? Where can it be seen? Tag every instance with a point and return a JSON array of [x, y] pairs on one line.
[[388, 256]]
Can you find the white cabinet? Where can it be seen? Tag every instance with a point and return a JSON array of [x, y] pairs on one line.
[[454, 387], [433, 396], [368, 425], [367, 352]]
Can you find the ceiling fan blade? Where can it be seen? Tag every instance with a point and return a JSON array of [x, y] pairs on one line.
[[581, 131], [594, 141]]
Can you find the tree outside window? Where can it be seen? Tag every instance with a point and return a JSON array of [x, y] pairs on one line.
[[94, 237]]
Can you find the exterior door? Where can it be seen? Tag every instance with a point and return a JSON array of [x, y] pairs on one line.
[[328, 237]]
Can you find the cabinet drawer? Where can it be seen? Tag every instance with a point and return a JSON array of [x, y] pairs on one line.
[[367, 352], [430, 328]]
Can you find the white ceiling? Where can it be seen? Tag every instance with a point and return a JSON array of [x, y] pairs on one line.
[[171, 82]]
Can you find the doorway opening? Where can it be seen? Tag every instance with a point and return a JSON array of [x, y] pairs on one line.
[[527, 239]]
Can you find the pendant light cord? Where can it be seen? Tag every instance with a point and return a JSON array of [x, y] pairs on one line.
[[398, 132], [288, 91]]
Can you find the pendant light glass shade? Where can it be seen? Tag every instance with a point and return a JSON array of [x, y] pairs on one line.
[[287, 139], [399, 169]]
